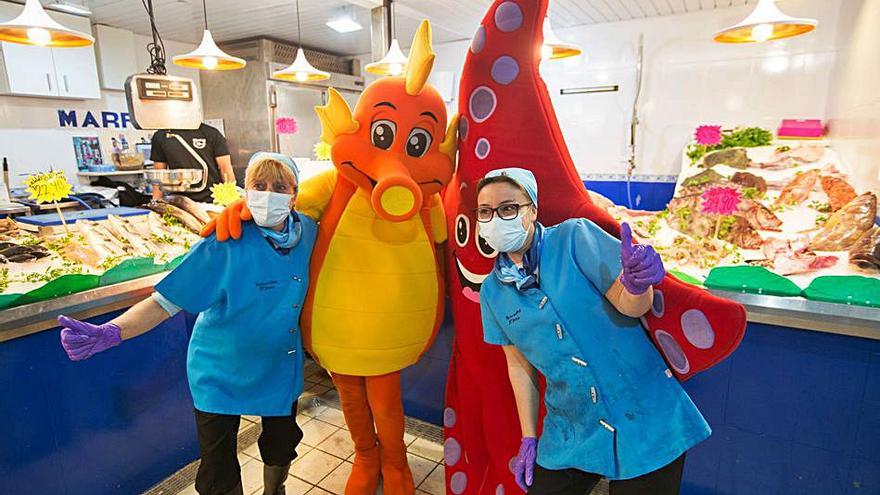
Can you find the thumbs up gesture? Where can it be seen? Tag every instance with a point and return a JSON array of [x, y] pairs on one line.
[[642, 266]]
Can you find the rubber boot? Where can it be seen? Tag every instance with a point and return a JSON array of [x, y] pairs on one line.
[[274, 478], [364, 477], [384, 395]]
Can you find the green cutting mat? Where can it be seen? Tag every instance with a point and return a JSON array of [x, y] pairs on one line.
[[845, 289], [752, 280]]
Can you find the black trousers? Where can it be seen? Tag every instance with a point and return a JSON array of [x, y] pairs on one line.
[[219, 471], [664, 481]]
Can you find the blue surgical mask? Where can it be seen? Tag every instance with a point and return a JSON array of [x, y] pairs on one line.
[[504, 236], [268, 208]]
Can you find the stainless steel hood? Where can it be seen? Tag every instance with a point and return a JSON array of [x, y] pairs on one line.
[[249, 100]]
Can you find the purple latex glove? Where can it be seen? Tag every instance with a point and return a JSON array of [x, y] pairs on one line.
[[524, 466], [82, 340], [642, 266]]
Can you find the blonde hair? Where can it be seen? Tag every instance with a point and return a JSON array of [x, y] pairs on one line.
[[268, 170]]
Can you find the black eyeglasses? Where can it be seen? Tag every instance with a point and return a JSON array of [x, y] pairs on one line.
[[507, 211]]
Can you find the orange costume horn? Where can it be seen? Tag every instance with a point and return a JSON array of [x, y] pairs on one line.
[[375, 300]]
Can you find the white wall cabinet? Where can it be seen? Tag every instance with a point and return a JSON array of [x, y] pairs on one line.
[[50, 72], [117, 57]]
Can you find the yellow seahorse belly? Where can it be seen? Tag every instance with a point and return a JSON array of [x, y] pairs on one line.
[[376, 295]]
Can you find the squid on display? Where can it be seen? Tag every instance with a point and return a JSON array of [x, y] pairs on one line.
[[507, 120]]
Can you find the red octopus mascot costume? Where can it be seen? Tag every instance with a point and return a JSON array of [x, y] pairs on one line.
[[507, 120]]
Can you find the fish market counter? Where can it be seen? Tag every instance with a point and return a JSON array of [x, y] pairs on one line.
[[805, 314], [124, 416]]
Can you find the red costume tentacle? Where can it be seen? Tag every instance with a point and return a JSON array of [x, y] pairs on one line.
[[507, 120]]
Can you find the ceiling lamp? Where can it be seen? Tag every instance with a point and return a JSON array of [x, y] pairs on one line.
[[70, 7], [554, 48], [392, 64], [765, 23], [34, 27], [300, 70], [208, 56]]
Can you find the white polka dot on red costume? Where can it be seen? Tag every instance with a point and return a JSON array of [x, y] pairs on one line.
[[451, 451], [697, 329], [458, 483], [508, 17], [482, 103], [479, 40], [449, 417], [672, 351], [499, 490], [482, 148], [512, 465], [658, 305], [505, 69]]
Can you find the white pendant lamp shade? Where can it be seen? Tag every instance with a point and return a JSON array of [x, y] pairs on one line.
[[34, 27], [301, 70], [554, 48], [208, 56], [392, 64], [765, 23]]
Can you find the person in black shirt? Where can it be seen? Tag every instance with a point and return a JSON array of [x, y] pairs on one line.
[[168, 151]]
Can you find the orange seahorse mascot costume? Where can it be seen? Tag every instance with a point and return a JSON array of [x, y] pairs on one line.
[[376, 293]]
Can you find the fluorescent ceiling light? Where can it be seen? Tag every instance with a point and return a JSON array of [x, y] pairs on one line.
[[344, 25], [70, 7]]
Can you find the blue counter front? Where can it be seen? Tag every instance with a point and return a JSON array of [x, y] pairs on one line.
[[114, 424], [793, 412]]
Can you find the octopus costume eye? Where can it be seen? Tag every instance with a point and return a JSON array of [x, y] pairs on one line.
[[462, 230], [485, 249], [418, 142], [382, 133]]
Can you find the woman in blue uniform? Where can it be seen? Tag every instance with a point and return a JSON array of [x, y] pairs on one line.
[[565, 301], [245, 355]]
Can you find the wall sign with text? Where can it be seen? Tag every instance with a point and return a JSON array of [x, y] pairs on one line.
[[87, 119]]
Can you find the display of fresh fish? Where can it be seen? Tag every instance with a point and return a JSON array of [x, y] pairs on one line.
[[745, 179], [789, 257], [847, 225], [732, 157], [103, 243], [865, 253], [81, 253], [799, 188], [759, 216], [742, 234], [793, 157], [190, 207], [188, 221], [838, 190], [703, 179]]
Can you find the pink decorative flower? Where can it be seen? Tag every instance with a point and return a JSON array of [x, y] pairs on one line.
[[285, 125], [721, 200], [708, 135]]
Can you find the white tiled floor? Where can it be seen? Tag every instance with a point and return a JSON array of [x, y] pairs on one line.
[[325, 454]]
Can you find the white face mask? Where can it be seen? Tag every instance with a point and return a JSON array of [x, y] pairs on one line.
[[504, 236], [268, 208]]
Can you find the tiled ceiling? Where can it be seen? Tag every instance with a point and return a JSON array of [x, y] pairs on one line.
[[452, 19]]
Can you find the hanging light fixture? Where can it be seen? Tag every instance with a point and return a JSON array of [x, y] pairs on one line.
[[208, 56], [555, 48], [765, 23], [34, 27], [394, 61], [300, 70]]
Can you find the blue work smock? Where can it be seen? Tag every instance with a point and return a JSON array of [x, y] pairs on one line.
[[245, 354], [613, 406]]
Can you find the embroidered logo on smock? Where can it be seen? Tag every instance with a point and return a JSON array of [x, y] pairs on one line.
[[514, 317], [271, 284], [200, 143]]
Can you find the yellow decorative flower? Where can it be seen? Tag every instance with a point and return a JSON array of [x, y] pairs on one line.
[[225, 194], [48, 187], [322, 151]]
